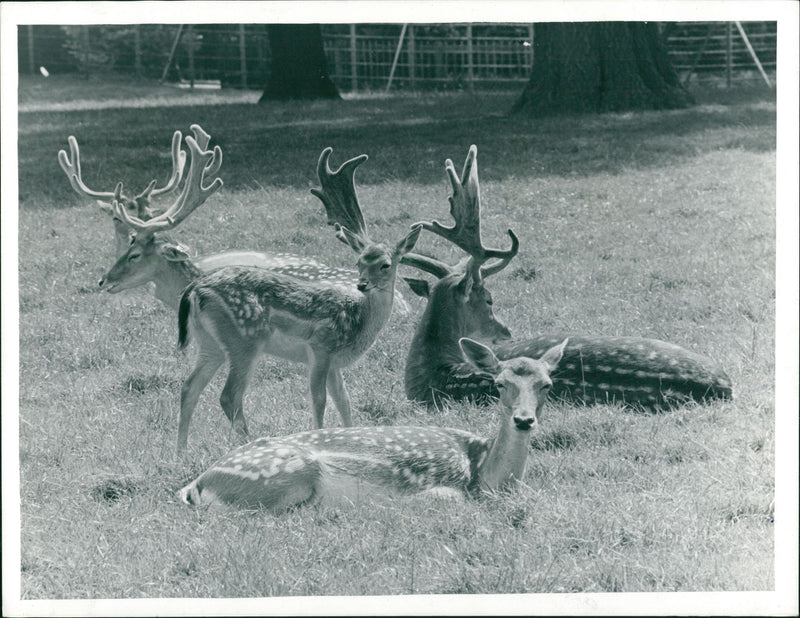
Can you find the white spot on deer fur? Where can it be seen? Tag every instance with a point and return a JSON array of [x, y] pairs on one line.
[[570, 365], [622, 371], [273, 470], [604, 368], [253, 476]]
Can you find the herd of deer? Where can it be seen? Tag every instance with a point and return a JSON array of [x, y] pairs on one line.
[[239, 305]]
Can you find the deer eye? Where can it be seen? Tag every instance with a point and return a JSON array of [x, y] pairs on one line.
[[134, 257], [500, 385], [385, 266], [546, 387], [489, 302]]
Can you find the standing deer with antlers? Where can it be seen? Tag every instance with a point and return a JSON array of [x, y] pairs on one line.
[[328, 464], [146, 254], [594, 369], [239, 314]]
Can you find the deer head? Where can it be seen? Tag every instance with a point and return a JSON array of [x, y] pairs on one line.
[[140, 260], [460, 296], [141, 204]]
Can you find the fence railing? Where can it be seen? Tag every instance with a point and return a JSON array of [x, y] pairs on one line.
[[368, 56]]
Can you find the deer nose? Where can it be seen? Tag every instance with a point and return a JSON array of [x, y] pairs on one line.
[[525, 423], [362, 285], [102, 282]]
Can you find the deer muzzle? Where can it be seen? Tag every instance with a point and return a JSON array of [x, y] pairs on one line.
[[525, 423], [104, 285]]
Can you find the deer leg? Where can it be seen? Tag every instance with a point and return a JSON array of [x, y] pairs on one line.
[[209, 358], [319, 366], [233, 392], [338, 391]]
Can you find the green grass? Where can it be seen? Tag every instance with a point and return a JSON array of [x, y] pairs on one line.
[[652, 224]]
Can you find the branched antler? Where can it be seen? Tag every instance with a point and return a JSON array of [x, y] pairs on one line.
[[338, 194], [465, 208], [71, 164], [193, 194]]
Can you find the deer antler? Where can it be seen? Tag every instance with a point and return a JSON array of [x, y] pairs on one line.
[[338, 194], [72, 168], [465, 208], [192, 195], [178, 164]]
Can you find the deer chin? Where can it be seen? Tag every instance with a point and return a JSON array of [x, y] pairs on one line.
[[111, 288]]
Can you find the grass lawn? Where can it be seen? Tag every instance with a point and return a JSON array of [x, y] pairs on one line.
[[656, 224]]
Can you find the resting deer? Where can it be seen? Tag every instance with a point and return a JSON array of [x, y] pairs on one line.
[[594, 369], [240, 313], [146, 254], [283, 472]]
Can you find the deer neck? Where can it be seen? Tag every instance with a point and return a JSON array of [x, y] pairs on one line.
[[172, 279], [506, 459], [377, 307], [434, 348]]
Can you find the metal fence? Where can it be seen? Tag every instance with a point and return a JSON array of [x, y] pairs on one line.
[[370, 56]]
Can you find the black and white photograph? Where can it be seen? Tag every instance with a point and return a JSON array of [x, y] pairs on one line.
[[399, 308]]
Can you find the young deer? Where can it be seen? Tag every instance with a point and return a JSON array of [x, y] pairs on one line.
[[594, 369], [283, 472], [145, 254], [239, 314]]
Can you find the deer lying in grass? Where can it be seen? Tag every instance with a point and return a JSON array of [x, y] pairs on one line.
[[594, 369], [239, 314], [283, 472], [145, 254]]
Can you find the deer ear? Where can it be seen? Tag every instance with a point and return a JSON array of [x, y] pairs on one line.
[[105, 207], [407, 244], [420, 287], [350, 238], [479, 355], [175, 252], [552, 357]]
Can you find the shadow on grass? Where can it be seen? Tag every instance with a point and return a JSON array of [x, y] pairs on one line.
[[407, 139]]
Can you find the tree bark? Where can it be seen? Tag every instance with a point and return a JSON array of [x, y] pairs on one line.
[[298, 67], [600, 67]]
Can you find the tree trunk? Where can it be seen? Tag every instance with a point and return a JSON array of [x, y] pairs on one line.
[[600, 67], [298, 66]]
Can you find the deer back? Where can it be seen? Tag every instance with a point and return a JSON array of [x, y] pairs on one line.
[[253, 303], [633, 370]]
